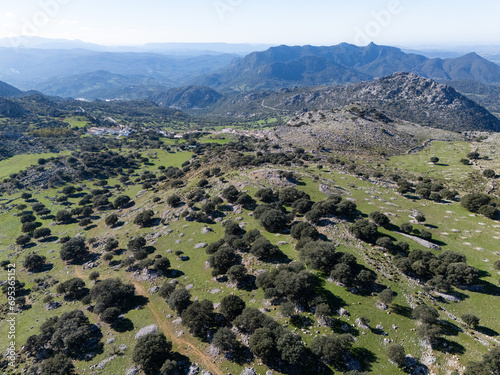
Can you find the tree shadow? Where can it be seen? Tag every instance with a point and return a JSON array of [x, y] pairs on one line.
[[248, 283], [365, 357], [487, 331], [450, 329], [49, 239], [401, 310], [123, 325], [447, 346], [137, 301]]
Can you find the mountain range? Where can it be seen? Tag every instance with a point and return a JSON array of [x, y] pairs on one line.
[[90, 73], [287, 66]]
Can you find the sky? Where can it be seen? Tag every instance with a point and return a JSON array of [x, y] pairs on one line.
[[293, 22]]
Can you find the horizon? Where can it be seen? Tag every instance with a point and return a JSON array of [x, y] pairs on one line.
[[240, 22]]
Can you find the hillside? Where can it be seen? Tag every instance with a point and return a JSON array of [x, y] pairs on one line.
[[287, 66], [8, 91], [249, 256], [403, 96], [191, 97]]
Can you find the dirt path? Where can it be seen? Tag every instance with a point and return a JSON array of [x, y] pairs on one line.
[[183, 346], [171, 335]]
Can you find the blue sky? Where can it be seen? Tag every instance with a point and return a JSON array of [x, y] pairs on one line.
[[317, 22]]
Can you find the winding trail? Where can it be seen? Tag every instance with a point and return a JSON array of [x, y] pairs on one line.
[[183, 346], [187, 347]]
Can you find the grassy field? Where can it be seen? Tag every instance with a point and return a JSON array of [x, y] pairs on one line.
[[456, 229], [20, 162]]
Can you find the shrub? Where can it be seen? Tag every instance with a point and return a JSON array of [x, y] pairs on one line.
[[396, 354], [319, 255], [23, 240], [111, 293], [332, 348], [406, 228], [151, 352], [121, 201], [489, 173], [488, 211], [273, 220], [179, 300], [224, 339], [59, 364], [111, 220], [42, 233], [230, 193], [110, 315], [74, 250], [144, 218], [471, 320], [379, 218], [34, 262], [173, 200], [473, 202], [386, 296], [365, 230], [231, 306], [434, 159]]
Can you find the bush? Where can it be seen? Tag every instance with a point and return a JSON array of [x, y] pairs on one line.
[[425, 314], [111, 293], [231, 306], [151, 352], [230, 194], [199, 318], [434, 159], [179, 300], [488, 211], [144, 218], [34, 262], [471, 320], [379, 218], [110, 315], [74, 250], [57, 365], [166, 290], [111, 220], [263, 249], [473, 202], [396, 354], [121, 201], [319, 255], [332, 348], [406, 228], [23, 240], [386, 296], [224, 339], [365, 230], [64, 217], [273, 220], [173, 200], [42, 233]]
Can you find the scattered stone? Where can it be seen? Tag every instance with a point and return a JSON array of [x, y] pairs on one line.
[[180, 333], [132, 371], [122, 347], [189, 286], [343, 312], [281, 243], [215, 291], [394, 327], [103, 363], [153, 290], [206, 230], [52, 306], [146, 331], [178, 241], [248, 371], [177, 321], [193, 369], [110, 341], [200, 245]]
